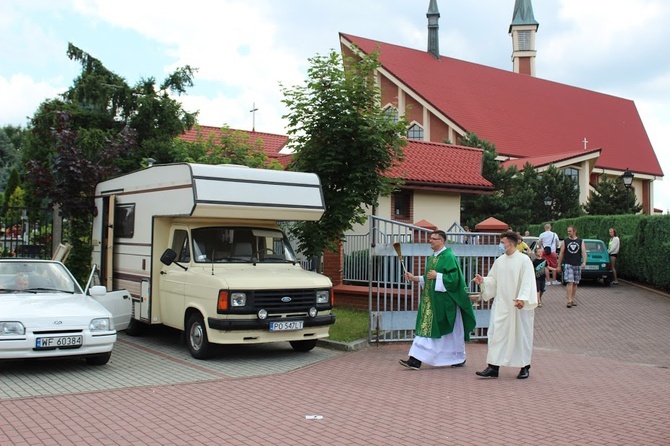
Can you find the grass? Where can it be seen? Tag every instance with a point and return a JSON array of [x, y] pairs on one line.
[[350, 325]]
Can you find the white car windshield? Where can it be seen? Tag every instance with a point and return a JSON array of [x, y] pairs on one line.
[[23, 276]]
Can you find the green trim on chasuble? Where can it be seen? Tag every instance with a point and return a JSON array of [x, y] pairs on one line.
[[437, 309]]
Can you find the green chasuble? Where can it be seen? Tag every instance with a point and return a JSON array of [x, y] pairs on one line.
[[437, 310]]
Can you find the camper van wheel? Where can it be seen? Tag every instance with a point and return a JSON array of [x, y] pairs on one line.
[[196, 337], [303, 346], [134, 328]]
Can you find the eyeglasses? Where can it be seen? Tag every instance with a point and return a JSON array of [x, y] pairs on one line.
[[435, 238]]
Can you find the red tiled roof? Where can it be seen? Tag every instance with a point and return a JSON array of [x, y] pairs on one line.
[[439, 165], [271, 143], [523, 116], [491, 224], [541, 161]]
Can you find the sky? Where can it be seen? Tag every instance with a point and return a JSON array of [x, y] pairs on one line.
[[244, 49]]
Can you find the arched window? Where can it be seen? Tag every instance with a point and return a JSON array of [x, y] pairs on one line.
[[415, 132]]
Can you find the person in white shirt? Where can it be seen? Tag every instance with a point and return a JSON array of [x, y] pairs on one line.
[[549, 239], [613, 250]]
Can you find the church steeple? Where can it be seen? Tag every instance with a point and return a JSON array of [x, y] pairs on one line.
[[433, 38], [523, 29]]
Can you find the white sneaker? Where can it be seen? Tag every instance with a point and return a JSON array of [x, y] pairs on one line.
[[556, 282]]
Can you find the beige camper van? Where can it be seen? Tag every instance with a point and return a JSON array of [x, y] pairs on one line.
[[199, 249]]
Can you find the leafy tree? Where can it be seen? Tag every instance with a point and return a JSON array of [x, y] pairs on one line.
[[519, 196], [98, 128], [12, 183], [340, 132], [227, 147], [8, 158], [612, 197]]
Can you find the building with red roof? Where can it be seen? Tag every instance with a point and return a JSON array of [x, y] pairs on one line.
[[589, 135]]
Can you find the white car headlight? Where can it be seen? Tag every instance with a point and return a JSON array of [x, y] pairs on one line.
[[101, 324], [322, 297], [12, 328], [238, 299]]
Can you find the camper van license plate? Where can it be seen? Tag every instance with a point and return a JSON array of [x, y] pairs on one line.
[[286, 326], [59, 342]]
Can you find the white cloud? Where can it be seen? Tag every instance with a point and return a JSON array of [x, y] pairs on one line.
[[22, 95]]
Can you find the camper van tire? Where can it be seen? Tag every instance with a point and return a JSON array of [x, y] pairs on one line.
[[135, 328], [304, 346], [196, 337]]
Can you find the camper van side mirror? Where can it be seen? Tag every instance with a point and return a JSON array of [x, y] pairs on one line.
[[168, 257]]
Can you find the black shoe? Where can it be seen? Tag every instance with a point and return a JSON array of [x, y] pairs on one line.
[[411, 363], [524, 373], [459, 365], [488, 372]]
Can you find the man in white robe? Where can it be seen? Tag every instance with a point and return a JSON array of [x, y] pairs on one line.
[[511, 280]]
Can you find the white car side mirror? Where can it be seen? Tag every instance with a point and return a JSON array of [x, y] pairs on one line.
[[97, 291]]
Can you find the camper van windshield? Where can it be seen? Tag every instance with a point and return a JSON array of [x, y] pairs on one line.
[[223, 244]]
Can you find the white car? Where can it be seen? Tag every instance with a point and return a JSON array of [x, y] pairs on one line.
[[46, 314]]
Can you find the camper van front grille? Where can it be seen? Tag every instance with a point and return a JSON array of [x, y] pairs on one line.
[[284, 301]]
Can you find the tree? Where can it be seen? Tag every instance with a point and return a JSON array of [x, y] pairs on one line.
[[228, 147], [98, 128], [339, 131], [612, 197], [519, 196], [8, 158]]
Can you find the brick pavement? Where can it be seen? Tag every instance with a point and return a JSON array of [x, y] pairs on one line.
[[599, 377]]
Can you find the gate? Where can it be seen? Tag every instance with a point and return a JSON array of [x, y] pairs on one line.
[[26, 232], [393, 302]]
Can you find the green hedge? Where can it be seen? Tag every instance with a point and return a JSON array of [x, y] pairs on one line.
[[645, 243]]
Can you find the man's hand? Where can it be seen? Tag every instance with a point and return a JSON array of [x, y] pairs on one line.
[[478, 279], [518, 303], [432, 274]]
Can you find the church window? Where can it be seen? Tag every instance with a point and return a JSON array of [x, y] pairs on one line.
[[391, 113], [415, 132], [572, 173]]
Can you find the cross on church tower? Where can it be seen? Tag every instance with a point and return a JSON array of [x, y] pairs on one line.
[[585, 142], [253, 117]]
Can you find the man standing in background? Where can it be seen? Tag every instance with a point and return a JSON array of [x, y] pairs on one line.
[[573, 253]]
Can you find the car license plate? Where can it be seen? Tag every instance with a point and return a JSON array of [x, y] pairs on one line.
[[591, 267], [286, 326], [59, 342]]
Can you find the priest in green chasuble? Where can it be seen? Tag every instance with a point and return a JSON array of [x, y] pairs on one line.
[[445, 317]]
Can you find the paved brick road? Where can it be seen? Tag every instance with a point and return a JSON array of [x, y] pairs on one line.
[[599, 377]]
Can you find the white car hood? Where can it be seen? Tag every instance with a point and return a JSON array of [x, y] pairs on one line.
[[70, 309], [267, 276]]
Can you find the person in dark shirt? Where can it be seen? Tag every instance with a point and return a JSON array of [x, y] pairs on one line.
[[572, 259]]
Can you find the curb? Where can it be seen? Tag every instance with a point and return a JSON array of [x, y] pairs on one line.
[[343, 346]]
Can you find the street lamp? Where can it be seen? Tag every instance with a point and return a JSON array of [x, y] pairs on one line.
[[548, 201], [627, 178]]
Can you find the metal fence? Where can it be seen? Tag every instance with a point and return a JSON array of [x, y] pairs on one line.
[[373, 260], [26, 232]]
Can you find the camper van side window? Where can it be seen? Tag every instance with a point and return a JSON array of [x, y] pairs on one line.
[[124, 220], [180, 246]]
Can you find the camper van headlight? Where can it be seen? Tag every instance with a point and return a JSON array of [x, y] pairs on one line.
[[262, 314], [322, 297], [312, 312], [238, 299]]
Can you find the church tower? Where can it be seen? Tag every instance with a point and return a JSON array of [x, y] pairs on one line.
[[522, 30], [433, 37]]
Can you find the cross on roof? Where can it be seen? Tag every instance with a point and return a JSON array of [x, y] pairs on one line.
[[585, 142]]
